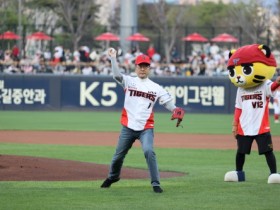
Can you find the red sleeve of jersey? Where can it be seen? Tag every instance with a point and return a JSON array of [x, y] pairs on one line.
[[274, 86], [237, 113]]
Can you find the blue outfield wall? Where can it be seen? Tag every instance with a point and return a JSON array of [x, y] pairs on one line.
[[72, 92]]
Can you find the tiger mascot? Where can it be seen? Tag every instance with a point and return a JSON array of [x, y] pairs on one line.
[[250, 69]]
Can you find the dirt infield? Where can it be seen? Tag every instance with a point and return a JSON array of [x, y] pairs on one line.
[[18, 168]]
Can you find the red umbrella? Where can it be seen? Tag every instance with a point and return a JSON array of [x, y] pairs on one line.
[[107, 37], [9, 35], [138, 38], [195, 37], [39, 36], [225, 38]]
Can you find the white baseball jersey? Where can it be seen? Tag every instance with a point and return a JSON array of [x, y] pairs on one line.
[[254, 102], [140, 98], [276, 105]]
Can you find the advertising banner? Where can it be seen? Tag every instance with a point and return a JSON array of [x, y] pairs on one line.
[[71, 92]]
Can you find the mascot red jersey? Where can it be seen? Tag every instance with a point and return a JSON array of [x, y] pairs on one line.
[[250, 69]]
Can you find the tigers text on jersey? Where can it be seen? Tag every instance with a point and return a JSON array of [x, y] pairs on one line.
[[254, 102], [140, 98]]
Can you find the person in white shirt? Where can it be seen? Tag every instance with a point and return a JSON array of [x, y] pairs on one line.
[[276, 105], [137, 117]]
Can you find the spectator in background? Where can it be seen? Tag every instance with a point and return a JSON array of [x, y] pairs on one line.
[[87, 69], [94, 56], [174, 55], [58, 55], [59, 58], [26, 66], [36, 61], [195, 64], [84, 54], [1, 54], [210, 65], [47, 55], [119, 51], [68, 55], [278, 72], [15, 53], [127, 59], [214, 49], [137, 52], [8, 57], [151, 51], [202, 66], [276, 105], [206, 48], [156, 58], [76, 56]]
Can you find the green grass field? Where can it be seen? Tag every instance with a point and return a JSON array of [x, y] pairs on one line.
[[202, 188], [109, 121]]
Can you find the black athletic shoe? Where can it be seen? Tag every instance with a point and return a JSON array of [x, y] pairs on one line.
[[107, 183], [157, 189]]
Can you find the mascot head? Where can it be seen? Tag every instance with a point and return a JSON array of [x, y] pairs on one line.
[[251, 65]]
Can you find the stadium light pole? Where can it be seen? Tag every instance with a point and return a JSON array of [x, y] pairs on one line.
[[128, 23], [20, 26]]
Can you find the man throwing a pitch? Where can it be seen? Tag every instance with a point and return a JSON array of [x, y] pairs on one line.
[[137, 117]]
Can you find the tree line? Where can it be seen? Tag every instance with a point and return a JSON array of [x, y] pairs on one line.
[[74, 23]]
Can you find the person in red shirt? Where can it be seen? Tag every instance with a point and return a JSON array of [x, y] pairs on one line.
[[151, 51], [15, 53]]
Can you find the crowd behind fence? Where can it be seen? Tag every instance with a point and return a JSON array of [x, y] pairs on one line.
[[209, 62]]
